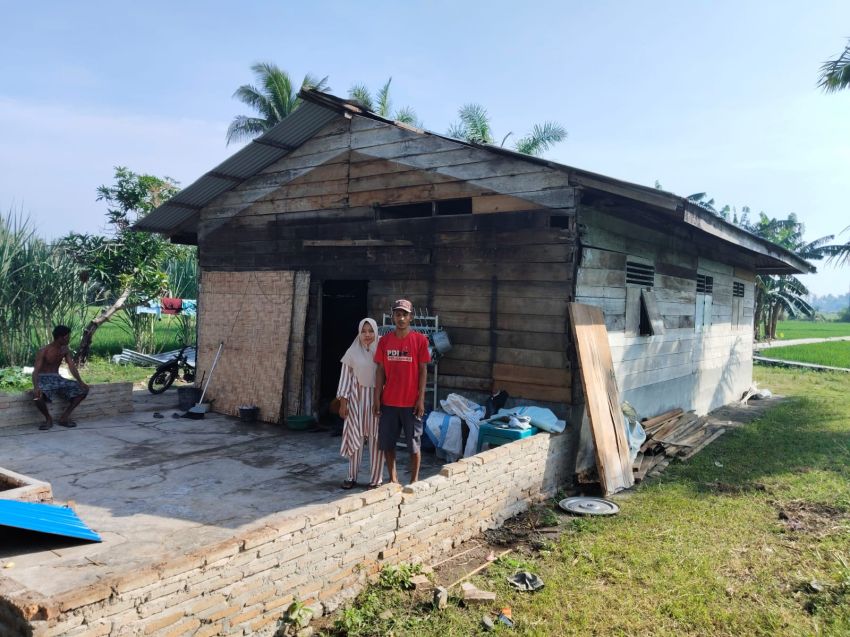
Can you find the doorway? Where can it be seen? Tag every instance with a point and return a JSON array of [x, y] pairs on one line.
[[344, 303]]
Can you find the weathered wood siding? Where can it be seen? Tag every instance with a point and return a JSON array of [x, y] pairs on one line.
[[499, 277], [695, 363]]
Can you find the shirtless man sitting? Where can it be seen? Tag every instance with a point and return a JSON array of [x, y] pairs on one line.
[[48, 384]]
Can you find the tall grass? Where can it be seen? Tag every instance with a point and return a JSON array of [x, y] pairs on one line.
[[39, 288]]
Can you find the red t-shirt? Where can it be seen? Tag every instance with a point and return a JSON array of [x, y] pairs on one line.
[[401, 358]]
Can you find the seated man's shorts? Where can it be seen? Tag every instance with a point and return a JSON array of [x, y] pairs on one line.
[[393, 421], [54, 386]]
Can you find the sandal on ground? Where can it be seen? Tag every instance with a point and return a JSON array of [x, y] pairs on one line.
[[45, 426], [373, 485], [68, 424], [348, 484]]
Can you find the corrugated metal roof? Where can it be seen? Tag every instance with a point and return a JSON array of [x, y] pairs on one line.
[[45, 518], [290, 133], [318, 109]]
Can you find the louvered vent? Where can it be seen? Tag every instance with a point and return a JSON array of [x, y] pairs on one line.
[[640, 274], [737, 289], [705, 284]]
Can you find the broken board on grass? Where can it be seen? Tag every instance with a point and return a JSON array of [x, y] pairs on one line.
[[602, 398]]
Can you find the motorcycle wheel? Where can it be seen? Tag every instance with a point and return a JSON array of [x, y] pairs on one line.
[[161, 380]]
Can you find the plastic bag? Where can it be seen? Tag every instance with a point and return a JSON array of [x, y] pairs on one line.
[[541, 417], [445, 432]]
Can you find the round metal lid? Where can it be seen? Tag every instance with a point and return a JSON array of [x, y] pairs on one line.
[[589, 506]]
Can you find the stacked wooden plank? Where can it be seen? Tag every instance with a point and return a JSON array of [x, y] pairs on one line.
[[673, 434]]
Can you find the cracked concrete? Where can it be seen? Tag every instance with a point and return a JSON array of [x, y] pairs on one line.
[[155, 488]]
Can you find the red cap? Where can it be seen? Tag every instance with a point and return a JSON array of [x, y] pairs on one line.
[[403, 304]]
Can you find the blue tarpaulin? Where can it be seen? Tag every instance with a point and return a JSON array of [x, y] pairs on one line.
[[45, 518]]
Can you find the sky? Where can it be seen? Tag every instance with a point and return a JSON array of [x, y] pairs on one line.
[[717, 97]]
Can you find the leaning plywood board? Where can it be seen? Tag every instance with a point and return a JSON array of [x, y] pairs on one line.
[[601, 397], [295, 362]]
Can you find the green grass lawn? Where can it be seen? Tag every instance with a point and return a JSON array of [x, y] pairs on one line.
[[788, 330], [834, 354], [97, 370], [702, 550]]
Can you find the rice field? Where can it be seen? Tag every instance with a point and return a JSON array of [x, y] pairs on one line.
[[790, 330], [114, 335], [833, 354]]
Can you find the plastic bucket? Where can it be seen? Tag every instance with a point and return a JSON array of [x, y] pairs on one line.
[[187, 397]]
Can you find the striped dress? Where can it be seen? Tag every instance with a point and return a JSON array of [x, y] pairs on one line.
[[361, 424]]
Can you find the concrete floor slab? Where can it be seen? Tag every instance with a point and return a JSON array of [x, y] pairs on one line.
[[156, 488]]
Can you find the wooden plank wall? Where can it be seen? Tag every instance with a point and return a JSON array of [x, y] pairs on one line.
[[500, 278], [703, 367]]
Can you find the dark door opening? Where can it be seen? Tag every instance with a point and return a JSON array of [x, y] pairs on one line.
[[343, 305]]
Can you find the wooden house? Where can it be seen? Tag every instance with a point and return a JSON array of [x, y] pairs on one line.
[[336, 211]]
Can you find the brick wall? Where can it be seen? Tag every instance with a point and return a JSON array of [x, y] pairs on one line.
[[107, 399], [323, 556], [251, 313]]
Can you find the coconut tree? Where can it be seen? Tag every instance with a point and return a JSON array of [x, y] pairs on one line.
[[835, 74], [381, 104], [474, 126], [274, 97]]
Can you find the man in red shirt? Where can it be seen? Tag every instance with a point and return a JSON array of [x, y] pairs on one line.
[[402, 359]]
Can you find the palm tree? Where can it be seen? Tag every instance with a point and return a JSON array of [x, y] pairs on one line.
[[275, 98], [381, 104], [835, 74], [474, 127]]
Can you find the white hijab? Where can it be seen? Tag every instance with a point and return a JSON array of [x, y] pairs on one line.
[[360, 358]]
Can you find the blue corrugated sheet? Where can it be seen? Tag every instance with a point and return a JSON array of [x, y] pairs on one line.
[[45, 518]]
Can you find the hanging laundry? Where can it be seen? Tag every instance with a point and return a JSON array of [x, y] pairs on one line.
[[190, 307], [171, 306], [152, 307]]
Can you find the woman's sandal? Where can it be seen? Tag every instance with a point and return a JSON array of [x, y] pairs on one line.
[[348, 484], [375, 486]]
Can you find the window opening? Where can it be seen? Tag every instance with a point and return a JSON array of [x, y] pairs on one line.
[[559, 221], [405, 211], [640, 274], [702, 309], [454, 207], [738, 289], [705, 284]]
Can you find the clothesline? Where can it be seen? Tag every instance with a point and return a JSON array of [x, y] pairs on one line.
[[169, 305]]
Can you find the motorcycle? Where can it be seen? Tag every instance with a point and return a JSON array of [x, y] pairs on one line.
[[168, 371]]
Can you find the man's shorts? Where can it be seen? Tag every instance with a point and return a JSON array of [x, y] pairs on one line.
[[393, 421], [54, 386]]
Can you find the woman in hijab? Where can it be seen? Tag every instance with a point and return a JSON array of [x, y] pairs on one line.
[[355, 392]]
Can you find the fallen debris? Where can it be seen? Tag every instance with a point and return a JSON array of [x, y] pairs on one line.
[[525, 581], [471, 593], [673, 434], [583, 505], [441, 598], [506, 617], [421, 583]]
